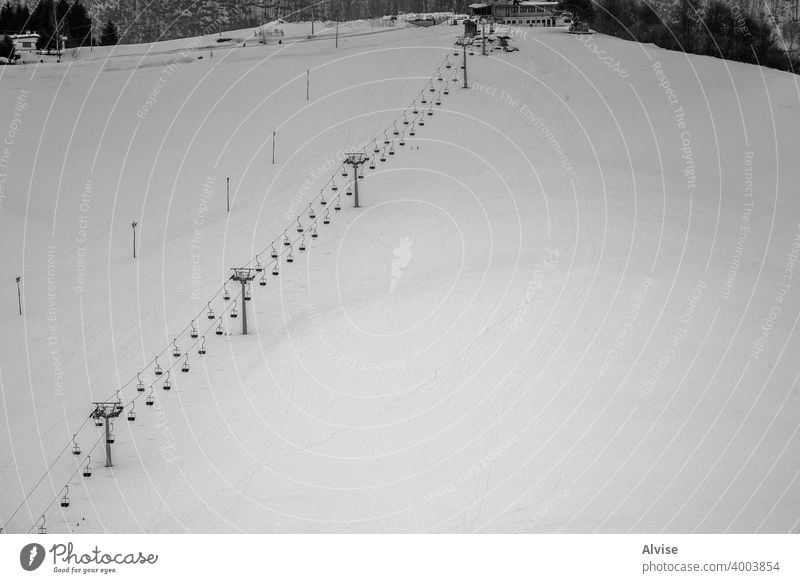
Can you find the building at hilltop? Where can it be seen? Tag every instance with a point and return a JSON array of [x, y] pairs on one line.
[[520, 13]]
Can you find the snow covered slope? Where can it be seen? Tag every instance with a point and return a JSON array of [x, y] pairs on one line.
[[568, 303]]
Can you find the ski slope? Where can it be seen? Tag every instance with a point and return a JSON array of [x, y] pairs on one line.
[[567, 304]]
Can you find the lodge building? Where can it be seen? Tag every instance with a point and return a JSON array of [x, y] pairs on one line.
[[520, 13]]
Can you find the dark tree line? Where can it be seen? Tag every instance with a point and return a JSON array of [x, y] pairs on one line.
[[70, 20], [715, 28]]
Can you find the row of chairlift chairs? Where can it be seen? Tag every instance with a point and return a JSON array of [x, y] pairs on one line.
[[158, 370]]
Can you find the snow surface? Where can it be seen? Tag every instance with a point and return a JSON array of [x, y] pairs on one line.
[[546, 317]]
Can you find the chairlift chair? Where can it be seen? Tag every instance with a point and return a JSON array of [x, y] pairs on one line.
[[87, 470], [202, 350], [132, 413], [76, 450], [185, 365], [234, 313], [193, 333], [167, 383], [65, 498]]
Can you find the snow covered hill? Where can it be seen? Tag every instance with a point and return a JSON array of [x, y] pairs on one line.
[[567, 304]]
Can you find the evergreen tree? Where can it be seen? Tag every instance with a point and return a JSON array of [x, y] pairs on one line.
[[78, 25], [7, 19], [582, 10], [7, 48], [110, 35]]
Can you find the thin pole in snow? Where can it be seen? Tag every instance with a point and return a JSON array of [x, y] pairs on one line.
[[19, 296], [273, 147], [337, 35], [228, 192], [308, 81], [133, 226]]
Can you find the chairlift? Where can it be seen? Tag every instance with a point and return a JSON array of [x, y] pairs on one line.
[[289, 257], [344, 171], [405, 119], [157, 370], [175, 351], [311, 213], [263, 281], [139, 383], [394, 130], [349, 191], [337, 206], [87, 470], [424, 101], [372, 163], [210, 312], [76, 450], [402, 141], [391, 150], [286, 241], [302, 246], [334, 188], [446, 89], [412, 131], [42, 528], [299, 230], [422, 121], [234, 312], [132, 413], [185, 365], [167, 383], [247, 295], [193, 333], [110, 438], [430, 111], [376, 149], [360, 173], [202, 350], [438, 101], [150, 399], [219, 328], [259, 267], [383, 155], [275, 269], [326, 220], [98, 421], [274, 252], [314, 232], [65, 498], [322, 200], [431, 88], [225, 294]]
